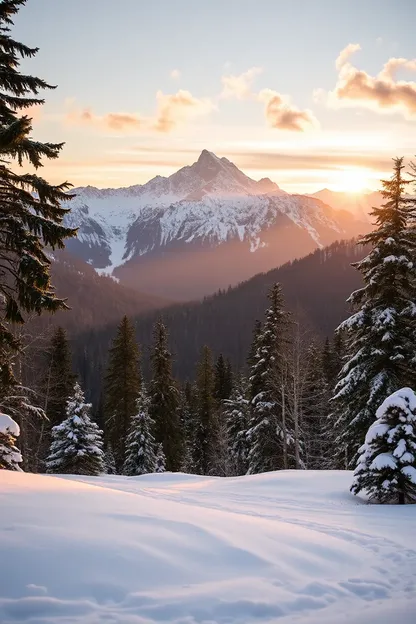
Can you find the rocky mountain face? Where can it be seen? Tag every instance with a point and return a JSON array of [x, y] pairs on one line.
[[203, 228]]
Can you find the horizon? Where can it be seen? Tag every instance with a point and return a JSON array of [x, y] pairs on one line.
[[133, 103]]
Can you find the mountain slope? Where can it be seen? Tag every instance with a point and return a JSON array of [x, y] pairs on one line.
[[214, 225], [358, 204]]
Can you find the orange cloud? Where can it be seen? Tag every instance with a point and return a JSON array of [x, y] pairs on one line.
[[178, 107], [175, 74], [114, 121], [282, 115], [383, 93], [240, 86]]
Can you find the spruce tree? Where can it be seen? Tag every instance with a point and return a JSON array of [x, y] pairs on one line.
[[141, 447], [269, 434], [58, 382], [160, 459], [187, 418], [77, 442], [222, 379], [315, 397], [121, 389], [206, 429], [109, 461], [30, 208], [164, 400], [380, 334], [386, 468], [237, 413], [10, 456]]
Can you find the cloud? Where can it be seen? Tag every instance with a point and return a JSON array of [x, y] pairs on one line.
[[113, 121], [240, 86], [344, 55], [178, 107], [282, 115], [175, 74], [383, 93]]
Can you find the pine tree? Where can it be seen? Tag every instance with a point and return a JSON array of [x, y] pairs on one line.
[[164, 400], [187, 418], [269, 434], [160, 459], [121, 390], [380, 335], [206, 429], [109, 461], [30, 209], [222, 379], [386, 467], [237, 413], [77, 442], [59, 380], [10, 456], [140, 444], [315, 397]]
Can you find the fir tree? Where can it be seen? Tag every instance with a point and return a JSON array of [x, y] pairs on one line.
[[121, 390], [237, 413], [140, 444], [77, 442], [380, 335], [386, 467], [187, 418], [109, 461], [58, 383], [315, 396], [10, 456], [30, 208], [160, 459], [222, 379], [269, 433], [206, 429], [164, 400]]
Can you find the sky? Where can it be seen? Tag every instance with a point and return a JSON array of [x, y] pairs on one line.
[[311, 93]]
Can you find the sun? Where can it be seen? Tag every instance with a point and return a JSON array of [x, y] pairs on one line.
[[352, 180]]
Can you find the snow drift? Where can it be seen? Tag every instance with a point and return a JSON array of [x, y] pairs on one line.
[[286, 547]]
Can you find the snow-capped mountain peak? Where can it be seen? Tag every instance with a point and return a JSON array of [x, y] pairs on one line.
[[205, 205]]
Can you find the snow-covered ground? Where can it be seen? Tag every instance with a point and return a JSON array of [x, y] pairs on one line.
[[279, 547]]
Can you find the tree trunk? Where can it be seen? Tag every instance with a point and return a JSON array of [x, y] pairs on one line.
[[401, 498]]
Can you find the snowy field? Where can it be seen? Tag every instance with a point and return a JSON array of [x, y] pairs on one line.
[[279, 547]]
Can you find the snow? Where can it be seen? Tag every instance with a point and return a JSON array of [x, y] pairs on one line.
[[211, 201], [290, 547], [8, 425], [383, 460]]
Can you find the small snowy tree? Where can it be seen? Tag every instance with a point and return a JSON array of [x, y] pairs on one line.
[[10, 456], [237, 413], [386, 467], [77, 442], [109, 461], [140, 443], [160, 459]]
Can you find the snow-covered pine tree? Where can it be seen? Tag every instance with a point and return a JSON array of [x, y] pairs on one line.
[[31, 213], [10, 456], [386, 467], [109, 461], [164, 400], [141, 447], [222, 379], [160, 459], [237, 414], [269, 434], [187, 417], [121, 389], [77, 442], [380, 335]]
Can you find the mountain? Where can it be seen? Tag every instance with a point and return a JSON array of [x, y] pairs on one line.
[[358, 204], [94, 300], [205, 227], [315, 289]]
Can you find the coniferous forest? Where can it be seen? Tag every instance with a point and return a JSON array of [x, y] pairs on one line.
[[287, 393]]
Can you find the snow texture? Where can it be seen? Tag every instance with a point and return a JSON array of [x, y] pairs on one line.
[[8, 425], [292, 547]]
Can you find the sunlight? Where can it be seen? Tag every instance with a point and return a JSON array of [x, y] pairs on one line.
[[352, 180]]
